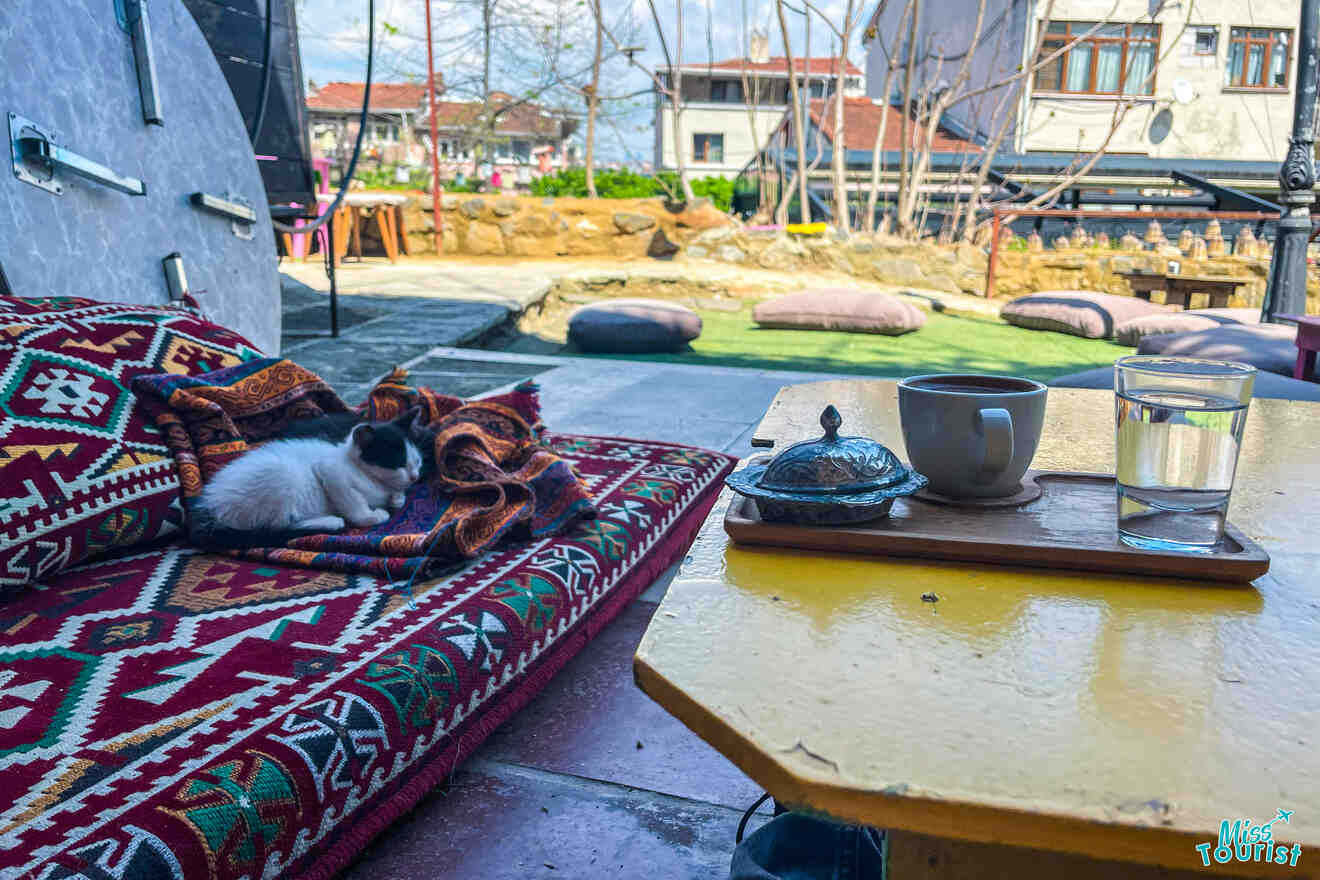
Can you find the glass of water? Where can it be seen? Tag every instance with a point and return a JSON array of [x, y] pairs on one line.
[[1179, 431]]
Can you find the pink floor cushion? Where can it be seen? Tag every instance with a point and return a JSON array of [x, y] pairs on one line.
[[633, 326], [1268, 347], [850, 311], [1266, 385], [1132, 331], [190, 715], [82, 468], [1077, 312]]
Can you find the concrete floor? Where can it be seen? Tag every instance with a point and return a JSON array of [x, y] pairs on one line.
[[592, 779]]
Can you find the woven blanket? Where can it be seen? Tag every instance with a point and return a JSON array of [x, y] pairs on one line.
[[493, 477], [184, 715]]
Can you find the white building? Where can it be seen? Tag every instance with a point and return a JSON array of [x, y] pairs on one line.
[[731, 107]]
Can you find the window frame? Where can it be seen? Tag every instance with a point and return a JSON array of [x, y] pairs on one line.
[[1210, 30], [1074, 29], [705, 157], [1247, 42]]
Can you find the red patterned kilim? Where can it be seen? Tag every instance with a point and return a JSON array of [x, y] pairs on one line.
[[183, 715], [493, 476], [81, 469]]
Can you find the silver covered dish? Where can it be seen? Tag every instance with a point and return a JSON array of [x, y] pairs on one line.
[[832, 480]]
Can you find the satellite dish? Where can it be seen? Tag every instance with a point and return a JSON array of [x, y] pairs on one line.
[[1183, 92]]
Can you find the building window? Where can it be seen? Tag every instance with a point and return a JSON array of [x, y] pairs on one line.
[[726, 91], [1113, 59], [522, 150], [1207, 40], [817, 89], [1258, 58], [707, 148]]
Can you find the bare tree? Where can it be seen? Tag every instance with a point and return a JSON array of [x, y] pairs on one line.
[[799, 130], [593, 99], [877, 150]]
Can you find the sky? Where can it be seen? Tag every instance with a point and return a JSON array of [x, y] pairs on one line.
[[332, 39]]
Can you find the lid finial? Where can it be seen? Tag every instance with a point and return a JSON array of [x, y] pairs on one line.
[[830, 420]]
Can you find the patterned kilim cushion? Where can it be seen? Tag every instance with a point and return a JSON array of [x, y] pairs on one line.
[[81, 468], [181, 715]]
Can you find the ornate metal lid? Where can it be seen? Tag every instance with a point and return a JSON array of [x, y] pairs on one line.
[[833, 464], [832, 479]]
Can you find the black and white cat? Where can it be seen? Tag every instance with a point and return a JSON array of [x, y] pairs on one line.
[[320, 476]]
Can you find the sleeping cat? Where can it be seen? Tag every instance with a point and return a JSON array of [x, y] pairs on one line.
[[319, 476]]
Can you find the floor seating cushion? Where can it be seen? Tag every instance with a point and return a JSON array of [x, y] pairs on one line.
[[1132, 331], [1077, 312], [81, 469], [633, 326], [1268, 347], [852, 311], [211, 717], [1267, 384]]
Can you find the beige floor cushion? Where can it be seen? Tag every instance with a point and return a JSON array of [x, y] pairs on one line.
[[633, 326], [1078, 312], [1267, 384], [1269, 347], [850, 311], [1133, 331]]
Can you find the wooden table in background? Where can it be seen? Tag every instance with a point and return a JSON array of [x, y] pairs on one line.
[[1031, 723], [385, 209], [1308, 343], [1179, 289]]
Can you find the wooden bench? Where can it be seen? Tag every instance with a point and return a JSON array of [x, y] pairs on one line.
[[1178, 289]]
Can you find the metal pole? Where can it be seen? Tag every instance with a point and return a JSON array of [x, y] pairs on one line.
[[1287, 287], [435, 158], [994, 254]]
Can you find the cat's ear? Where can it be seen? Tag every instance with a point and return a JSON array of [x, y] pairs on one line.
[[405, 419], [362, 435]]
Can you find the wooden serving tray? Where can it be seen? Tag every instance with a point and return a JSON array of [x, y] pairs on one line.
[[1071, 525]]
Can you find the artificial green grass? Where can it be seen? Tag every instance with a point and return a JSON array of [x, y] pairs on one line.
[[948, 343]]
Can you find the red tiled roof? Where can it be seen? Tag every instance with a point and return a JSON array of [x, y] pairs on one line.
[[517, 119], [861, 122], [384, 96], [777, 64]]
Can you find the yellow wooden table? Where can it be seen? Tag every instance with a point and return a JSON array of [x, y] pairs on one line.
[[1112, 718]]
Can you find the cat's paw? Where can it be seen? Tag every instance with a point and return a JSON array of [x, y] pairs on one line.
[[372, 517], [396, 501]]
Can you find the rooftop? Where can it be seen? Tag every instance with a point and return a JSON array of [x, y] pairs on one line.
[[385, 96], [861, 122], [776, 65]]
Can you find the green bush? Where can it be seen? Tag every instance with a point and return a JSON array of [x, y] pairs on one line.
[[625, 184], [383, 177]]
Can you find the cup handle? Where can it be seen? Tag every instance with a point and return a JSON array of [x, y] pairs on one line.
[[996, 426]]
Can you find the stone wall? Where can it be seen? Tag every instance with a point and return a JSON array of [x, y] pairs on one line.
[[529, 226]]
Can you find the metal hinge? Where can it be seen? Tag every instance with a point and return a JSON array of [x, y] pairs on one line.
[[38, 160]]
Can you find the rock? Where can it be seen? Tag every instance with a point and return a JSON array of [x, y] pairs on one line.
[[899, 270], [696, 251], [661, 248], [731, 254], [969, 255], [1122, 264], [534, 224], [449, 202], [701, 214], [862, 245], [505, 206], [628, 223], [586, 228], [483, 239], [971, 281], [782, 253], [716, 235], [449, 240], [507, 228], [472, 208]]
